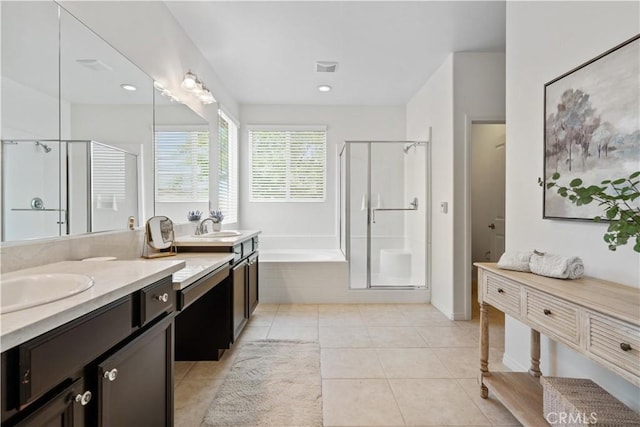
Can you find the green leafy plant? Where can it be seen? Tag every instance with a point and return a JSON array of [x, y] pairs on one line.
[[617, 198]]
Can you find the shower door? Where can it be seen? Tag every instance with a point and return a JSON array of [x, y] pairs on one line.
[[383, 194]]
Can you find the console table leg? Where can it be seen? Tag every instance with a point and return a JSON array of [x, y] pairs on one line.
[[484, 348], [535, 354]]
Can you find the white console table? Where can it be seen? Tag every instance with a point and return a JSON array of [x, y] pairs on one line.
[[597, 318]]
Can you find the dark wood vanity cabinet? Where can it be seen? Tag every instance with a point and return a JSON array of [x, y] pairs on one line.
[[239, 312], [110, 367], [252, 284]]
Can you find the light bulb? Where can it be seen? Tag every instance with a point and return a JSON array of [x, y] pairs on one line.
[[189, 81]]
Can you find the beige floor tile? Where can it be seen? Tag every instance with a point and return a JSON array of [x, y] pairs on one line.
[[305, 308], [192, 399], [428, 318], [435, 401], [365, 402], [253, 333], [412, 308], [295, 319], [261, 308], [350, 363], [208, 370], [348, 318], [386, 318], [344, 337], [377, 308], [338, 308], [306, 333], [395, 336], [464, 362], [180, 369], [491, 407], [448, 336], [262, 318], [412, 363]]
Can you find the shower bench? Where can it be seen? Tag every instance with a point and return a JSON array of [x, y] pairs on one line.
[[597, 318]]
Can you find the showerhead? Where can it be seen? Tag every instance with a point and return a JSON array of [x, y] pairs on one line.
[[45, 147]]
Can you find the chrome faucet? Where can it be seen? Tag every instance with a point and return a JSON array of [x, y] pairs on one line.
[[202, 229]]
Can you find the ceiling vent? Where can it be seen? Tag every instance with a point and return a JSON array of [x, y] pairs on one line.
[[326, 67], [94, 64]]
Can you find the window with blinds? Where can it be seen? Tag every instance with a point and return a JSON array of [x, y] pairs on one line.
[[288, 165], [182, 166], [107, 174], [228, 168]]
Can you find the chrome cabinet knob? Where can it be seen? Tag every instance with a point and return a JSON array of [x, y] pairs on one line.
[[84, 398], [111, 375], [163, 298]]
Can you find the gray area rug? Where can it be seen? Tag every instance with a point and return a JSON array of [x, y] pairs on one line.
[[271, 383]]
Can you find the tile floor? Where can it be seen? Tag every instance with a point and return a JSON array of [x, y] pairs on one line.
[[381, 365]]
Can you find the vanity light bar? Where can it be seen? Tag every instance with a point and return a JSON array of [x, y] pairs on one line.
[[193, 84]]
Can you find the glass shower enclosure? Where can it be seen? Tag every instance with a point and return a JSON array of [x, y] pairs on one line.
[[384, 213], [58, 187]]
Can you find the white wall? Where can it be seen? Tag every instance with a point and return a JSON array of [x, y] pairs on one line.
[[432, 107], [466, 86], [545, 40], [312, 225]]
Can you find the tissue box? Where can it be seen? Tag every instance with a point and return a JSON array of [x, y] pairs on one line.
[[576, 402]]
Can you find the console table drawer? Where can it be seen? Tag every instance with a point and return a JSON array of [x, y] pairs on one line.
[[502, 294], [615, 341], [558, 317]]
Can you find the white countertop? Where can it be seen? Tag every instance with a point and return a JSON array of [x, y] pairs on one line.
[[189, 240], [113, 280], [198, 266]]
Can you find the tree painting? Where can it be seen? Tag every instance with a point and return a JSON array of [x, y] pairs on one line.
[[592, 124]]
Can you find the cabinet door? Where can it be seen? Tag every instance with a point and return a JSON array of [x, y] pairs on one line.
[[239, 298], [66, 409], [252, 273], [135, 384]]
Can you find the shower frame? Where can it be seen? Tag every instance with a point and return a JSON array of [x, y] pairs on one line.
[[345, 154]]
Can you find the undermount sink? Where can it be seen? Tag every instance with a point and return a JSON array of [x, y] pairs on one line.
[[36, 289], [225, 233]]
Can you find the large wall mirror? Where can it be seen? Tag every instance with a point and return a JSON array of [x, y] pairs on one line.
[[77, 128]]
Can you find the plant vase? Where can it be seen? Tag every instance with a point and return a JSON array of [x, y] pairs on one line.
[[217, 226]]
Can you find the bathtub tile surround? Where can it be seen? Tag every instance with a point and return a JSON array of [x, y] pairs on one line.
[[364, 382]]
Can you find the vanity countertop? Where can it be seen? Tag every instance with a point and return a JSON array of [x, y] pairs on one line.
[[113, 280], [197, 266], [189, 240]]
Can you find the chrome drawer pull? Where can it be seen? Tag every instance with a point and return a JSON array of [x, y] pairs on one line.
[[500, 291], [625, 346], [546, 312], [111, 375], [84, 398], [163, 298]]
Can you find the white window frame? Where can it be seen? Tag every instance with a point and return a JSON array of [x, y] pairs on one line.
[[287, 128], [178, 128], [233, 170]]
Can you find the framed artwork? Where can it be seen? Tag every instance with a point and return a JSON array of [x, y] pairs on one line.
[[592, 126]]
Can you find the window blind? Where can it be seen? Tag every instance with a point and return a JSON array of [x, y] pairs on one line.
[[107, 174], [182, 166], [288, 165], [228, 168]]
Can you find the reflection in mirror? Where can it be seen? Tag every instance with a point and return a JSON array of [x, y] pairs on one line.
[[181, 166], [73, 136]]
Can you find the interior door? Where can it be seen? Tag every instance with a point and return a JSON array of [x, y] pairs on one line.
[[498, 201]]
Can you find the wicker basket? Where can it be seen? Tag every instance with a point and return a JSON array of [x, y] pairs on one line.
[[576, 402]]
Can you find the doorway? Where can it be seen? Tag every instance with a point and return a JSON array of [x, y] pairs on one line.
[[487, 187]]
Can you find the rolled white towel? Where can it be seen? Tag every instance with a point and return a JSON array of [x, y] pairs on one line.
[[516, 260], [558, 266]]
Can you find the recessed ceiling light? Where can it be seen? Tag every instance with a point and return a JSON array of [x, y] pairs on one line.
[[127, 86], [324, 88]]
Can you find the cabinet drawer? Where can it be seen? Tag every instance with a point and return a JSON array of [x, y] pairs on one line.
[[556, 317], [156, 299], [615, 341], [502, 294], [51, 358]]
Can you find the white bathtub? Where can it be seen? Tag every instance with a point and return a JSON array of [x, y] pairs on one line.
[[316, 276], [300, 255]]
